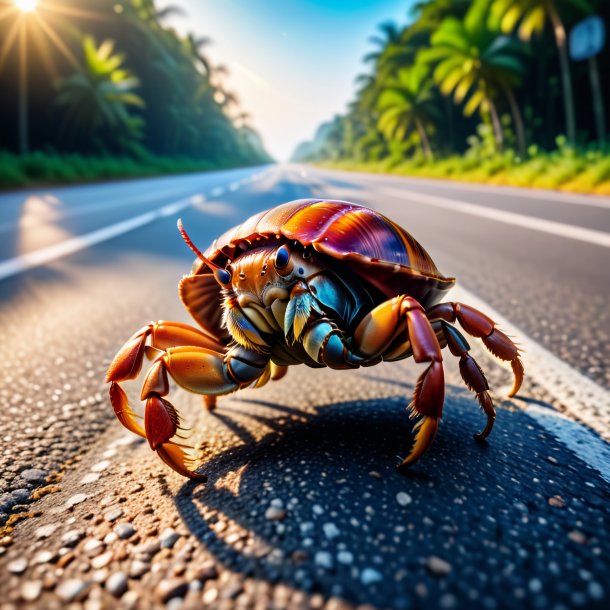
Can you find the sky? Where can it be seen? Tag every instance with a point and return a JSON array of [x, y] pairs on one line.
[[292, 63]]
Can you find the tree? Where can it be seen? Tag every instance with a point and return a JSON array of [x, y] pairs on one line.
[[474, 64], [406, 104], [531, 16], [98, 96]]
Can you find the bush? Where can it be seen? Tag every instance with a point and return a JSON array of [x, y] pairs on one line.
[[48, 167]]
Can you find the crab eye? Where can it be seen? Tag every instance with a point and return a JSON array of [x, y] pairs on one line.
[[282, 257], [306, 254], [222, 276]]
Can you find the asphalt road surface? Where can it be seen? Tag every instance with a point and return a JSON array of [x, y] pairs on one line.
[[303, 507]]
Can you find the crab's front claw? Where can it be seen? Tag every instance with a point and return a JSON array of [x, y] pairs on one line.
[[162, 422]]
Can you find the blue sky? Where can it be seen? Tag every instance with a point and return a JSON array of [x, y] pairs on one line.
[[292, 63]]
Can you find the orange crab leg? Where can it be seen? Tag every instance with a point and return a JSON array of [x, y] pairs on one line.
[[373, 336], [199, 370], [479, 325]]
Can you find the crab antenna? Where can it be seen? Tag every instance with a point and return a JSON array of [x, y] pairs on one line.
[[193, 247]]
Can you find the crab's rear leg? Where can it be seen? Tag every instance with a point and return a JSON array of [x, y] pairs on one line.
[[472, 375], [374, 335], [479, 325]]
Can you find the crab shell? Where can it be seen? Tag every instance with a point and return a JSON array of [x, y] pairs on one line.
[[359, 239]]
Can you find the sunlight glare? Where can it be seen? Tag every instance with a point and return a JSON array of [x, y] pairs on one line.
[[26, 6]]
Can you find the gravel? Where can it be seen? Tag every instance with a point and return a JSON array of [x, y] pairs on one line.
[[117, 584]]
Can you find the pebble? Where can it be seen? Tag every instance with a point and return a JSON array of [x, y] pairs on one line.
[[20, 496], [125, 530], [101, 561], [557, 501], [168, 538], [113, 515], [75, 499], [138, 568], [578, 537], [345, 557], [44, 531], [370, 576], [72, 590], [117, 584], [375, 474], [90, 477], [438, 566], [18, 566], [100, 466], [274, 513], [210, 596], [93, 547], [330, 530], [34, 475], [323, 559], [72, 538], [44, 557], [172, 587], [30, 590], [403, 498]]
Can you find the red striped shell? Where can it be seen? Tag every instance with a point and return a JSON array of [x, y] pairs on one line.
[[370, 245]]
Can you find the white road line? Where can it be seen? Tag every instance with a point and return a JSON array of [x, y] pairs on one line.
[[583, 399], [19, 264], [551, 196], [590, 236]]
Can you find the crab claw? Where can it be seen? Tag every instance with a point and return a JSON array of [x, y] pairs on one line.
[[161, 422], [124, 413]]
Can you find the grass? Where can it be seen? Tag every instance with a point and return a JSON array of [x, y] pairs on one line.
[[50, 168], [564, 169]]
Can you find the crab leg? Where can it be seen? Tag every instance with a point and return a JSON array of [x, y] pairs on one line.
[[478, 325], [372, 337], [471, 374], [198, 370], [375, 333]]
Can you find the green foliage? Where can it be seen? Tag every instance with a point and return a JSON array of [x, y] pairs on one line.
[[144, 89], [455, 80], [97, 97], [47, 168]]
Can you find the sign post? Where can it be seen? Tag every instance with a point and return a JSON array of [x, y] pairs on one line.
[[587, 39]]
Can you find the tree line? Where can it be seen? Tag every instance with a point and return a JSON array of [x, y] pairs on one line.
[[110, 77], [494, 75]]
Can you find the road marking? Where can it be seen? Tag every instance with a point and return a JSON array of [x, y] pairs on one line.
[[590, 236], [19, 264], [583, 399], [596, 201]]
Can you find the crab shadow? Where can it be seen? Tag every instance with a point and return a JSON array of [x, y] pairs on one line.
[[332, 472]]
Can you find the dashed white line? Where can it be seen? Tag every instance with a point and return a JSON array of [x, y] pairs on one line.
[[19, 264], [590, 236]]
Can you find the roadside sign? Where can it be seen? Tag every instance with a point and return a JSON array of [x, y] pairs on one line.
[[587, 38]]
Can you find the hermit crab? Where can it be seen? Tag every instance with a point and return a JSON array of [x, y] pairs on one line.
[[315, 282]]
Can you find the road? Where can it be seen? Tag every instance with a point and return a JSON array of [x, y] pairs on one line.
[[303, 508]]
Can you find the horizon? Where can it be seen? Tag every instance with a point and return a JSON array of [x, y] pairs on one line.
[[272, 65]]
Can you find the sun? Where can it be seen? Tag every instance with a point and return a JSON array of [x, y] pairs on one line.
[[26, 6]]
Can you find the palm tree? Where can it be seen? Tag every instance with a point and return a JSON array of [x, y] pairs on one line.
[[474, 64], [406, 103], [531, 16], [97, 97]]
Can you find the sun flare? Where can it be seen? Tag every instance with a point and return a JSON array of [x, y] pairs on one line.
[[26, 6]]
